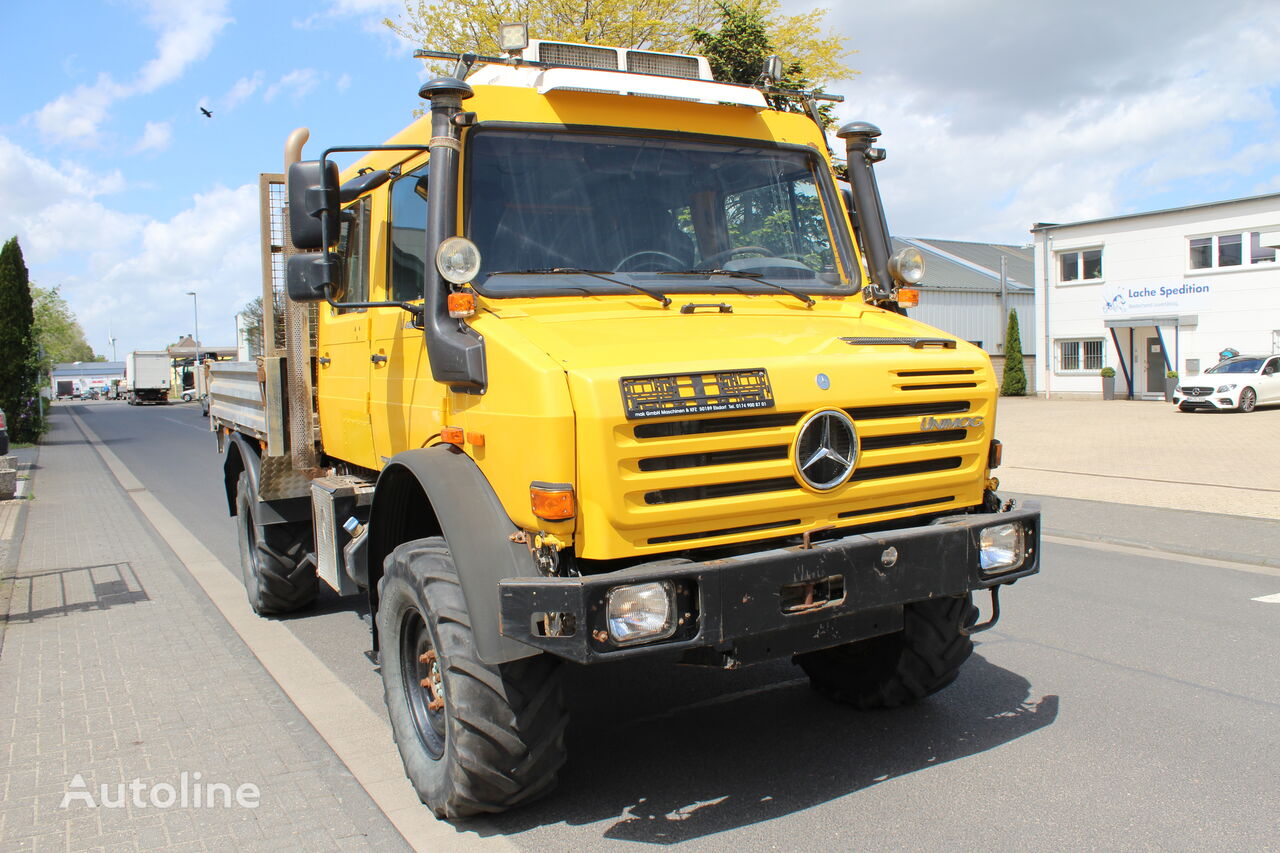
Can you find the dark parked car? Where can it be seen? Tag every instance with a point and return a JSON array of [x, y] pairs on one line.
[[4, 435]]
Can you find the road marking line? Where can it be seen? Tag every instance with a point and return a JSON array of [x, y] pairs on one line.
[[1268, 599], [1142, 479], [360, 738], [183, 423], [1158, 554]]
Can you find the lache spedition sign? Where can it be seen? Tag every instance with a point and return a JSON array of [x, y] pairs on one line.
[[1125, 300]]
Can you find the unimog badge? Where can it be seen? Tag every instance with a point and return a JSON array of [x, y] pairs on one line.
[[929, 424]]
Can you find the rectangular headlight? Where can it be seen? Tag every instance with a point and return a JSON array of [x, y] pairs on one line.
[[1003, 548], [641, 613]]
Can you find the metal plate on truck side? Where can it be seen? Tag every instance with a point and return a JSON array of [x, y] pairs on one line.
[[696, 393]]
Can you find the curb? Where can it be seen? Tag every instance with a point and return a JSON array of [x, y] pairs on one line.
[[11, 548]]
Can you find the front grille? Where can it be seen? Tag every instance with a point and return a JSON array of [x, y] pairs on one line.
[[702, 479], [716, 457], [957, 372], [924, 466], [938, 386], [908, 410], [912, 439], [871, 510], [709, 425], [724, 531], [1197, 390], [720, 490]]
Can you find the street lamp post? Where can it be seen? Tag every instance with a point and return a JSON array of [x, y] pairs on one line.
[[195, 305]]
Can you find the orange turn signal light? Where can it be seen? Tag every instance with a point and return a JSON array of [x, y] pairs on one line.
[[552, 501], [451, 435], [462, 304], [996, 455], [908, 297]]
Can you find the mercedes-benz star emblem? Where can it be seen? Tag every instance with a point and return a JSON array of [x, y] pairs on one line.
[[826, 449]]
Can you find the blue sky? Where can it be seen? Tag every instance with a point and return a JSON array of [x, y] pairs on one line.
[[996, 113]]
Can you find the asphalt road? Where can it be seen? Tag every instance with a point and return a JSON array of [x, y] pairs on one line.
[[1127, 700]]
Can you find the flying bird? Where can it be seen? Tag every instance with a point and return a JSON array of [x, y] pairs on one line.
[[207, 114]]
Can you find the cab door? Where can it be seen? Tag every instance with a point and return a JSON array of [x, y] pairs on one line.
[[406, 402], [343, 368]]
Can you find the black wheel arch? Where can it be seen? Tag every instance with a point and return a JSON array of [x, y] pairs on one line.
[[241, 456], [440, 491]]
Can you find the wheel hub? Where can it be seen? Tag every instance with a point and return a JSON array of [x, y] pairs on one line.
[[433, 683]]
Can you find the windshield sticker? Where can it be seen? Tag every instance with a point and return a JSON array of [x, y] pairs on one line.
[[696, 393]]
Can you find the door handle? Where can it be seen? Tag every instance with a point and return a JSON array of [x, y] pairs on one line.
[[378, 358], [324, 360]]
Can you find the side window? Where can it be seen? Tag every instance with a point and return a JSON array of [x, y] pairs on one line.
[[353, 249], [408, 236]]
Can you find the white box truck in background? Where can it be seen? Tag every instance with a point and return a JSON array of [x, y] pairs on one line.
[[147, 377]]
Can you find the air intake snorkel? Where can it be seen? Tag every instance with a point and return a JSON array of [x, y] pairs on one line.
[[456, 352]]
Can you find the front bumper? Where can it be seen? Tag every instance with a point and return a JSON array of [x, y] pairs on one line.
[[732, 610], [1211, 401]]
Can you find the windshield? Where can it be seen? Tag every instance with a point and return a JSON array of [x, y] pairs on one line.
[[670, 215], [1237, 365]]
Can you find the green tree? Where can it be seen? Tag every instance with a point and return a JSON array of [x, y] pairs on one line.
[[666, 25], [1015, 375], [19, 368], [59, 337], [738, 48]]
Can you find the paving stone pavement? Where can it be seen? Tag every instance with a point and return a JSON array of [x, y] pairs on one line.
[[115, 667]]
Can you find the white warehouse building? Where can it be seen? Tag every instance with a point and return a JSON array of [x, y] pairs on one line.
[[1149, 293]]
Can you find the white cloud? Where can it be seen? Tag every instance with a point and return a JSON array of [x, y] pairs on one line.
[[131, 271], [155, 137], [187, 31], [343, 83], [36, 196], [373, 12], [999, 114], [75, 116], [243, 88], [296, 83]]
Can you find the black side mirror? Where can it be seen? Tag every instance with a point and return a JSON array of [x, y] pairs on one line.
[[306, 275], [313, 200]]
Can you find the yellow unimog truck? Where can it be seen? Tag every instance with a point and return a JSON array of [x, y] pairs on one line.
[[593, 361]]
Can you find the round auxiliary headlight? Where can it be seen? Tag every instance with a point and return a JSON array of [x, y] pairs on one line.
[[458, 260], [907, 266]]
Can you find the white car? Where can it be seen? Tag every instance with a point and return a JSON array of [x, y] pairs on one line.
[[1242, 382]]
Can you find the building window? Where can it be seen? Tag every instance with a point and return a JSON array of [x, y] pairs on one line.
[[1258, 254], [1227, 250], [1084, 356], [1080, 266]]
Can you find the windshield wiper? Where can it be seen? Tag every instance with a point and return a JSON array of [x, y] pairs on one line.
[[661, 297], [753, 276]]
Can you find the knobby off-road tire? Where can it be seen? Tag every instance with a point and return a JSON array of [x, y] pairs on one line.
[[497, 741], [277, 576], [901, 668]]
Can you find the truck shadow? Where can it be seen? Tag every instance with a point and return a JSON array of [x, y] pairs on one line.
[[766, 752]]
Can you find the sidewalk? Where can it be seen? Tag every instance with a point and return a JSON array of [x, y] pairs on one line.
[[115, 670], [1142, 454]]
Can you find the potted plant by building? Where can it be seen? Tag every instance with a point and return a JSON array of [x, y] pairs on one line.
[[1108, 383], [1170, 385]]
